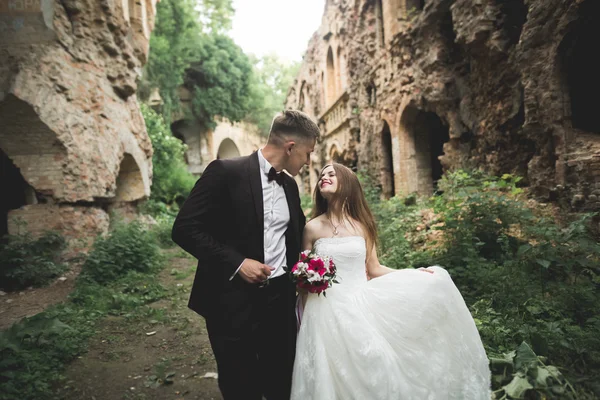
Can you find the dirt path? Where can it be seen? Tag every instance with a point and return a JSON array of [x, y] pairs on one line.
[[126, 360]]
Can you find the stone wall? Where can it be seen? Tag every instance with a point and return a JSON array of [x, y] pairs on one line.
[[409, 88], [70, 124]]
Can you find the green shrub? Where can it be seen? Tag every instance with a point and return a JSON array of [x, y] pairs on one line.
[[127, 248], [162, 231], [158, 209], [125, 294], [28, 261], [34, 351], [523, 374]]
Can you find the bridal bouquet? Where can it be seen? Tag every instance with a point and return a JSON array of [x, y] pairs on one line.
[[313, 272]]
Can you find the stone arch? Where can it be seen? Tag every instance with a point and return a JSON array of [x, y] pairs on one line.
[[335, 154], [371, 91], [178, 128], [304, 103], [16, 192], [32, 147], [579, 69], [386, 161], [422, 136], [330, 78], [228, 149], [130, 183], [341, 80], [323, 97], [193, 135], [301, 99]]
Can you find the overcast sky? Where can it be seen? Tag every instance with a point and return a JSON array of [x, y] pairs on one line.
[[280, 26]]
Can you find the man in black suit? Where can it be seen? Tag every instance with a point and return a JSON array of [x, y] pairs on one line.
[[243, 222]]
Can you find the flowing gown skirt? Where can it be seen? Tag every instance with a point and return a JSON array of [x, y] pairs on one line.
[[406, 335]]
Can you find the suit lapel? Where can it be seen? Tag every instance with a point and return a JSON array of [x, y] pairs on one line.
[[257, 194], [291, 201]]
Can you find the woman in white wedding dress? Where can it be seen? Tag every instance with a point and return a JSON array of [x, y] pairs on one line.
[[381, 333]]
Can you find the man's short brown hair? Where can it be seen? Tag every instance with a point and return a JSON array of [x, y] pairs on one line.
[[293, 123]]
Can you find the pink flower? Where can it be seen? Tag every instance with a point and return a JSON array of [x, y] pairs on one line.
[[319, 287], [315, 264], [322, 271]]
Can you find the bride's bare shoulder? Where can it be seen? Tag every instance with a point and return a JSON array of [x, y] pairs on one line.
[[315, 225]]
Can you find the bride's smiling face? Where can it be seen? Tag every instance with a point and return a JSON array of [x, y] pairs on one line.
[[328, 182]]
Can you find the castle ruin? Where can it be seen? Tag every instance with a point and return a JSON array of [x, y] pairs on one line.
[[407, 89]]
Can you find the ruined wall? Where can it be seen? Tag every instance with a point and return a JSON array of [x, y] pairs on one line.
[[409, 88], [71, 132]]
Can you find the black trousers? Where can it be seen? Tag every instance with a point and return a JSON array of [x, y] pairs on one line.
[[256, 359]]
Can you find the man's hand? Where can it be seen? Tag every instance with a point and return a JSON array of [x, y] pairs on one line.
[[253, 271], [425, 270]]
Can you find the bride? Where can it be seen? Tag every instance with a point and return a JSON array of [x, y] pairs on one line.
[[380, 333]]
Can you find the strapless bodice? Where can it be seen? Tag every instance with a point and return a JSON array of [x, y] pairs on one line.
[[348, 254]]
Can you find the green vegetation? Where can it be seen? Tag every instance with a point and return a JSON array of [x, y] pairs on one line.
[[27, 261], [128, 248], [118, 278], [183, 28], [220, 79], [190, 47], [171, 181]]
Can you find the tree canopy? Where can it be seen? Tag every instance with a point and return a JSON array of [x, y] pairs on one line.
[[190, 46]]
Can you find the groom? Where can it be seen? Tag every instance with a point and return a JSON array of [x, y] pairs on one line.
[[243, 222]]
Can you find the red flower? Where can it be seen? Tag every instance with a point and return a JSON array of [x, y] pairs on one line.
[[315, 264]]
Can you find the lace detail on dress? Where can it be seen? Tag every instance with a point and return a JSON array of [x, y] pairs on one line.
[[348, 254]]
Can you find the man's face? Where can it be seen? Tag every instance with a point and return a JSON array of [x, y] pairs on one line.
[[298, 155]]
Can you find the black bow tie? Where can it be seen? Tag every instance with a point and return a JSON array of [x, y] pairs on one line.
[[276, 176]]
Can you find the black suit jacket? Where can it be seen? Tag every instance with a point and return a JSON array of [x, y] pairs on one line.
[[221, 224]]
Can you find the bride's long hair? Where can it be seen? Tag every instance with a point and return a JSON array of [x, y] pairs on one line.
[[348, 200]]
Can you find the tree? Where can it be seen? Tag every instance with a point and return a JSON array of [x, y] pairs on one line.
[[215, 15], [181, 27], [272, 78], [220, 80]]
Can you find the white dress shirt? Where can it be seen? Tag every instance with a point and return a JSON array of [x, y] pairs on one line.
[[276, 218]]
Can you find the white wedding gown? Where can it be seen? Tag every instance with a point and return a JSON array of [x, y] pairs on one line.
[[406, 335]]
